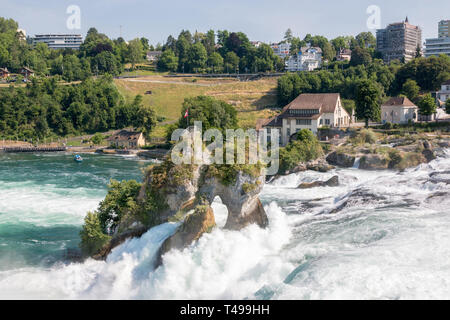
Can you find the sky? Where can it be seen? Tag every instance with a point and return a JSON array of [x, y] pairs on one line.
[[263, 20]]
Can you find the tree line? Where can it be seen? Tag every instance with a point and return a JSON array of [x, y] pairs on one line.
[[45, 109], [232, 52], [97, 55]]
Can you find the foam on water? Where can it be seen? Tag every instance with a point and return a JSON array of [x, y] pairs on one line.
[[379, 235], [222, 264]]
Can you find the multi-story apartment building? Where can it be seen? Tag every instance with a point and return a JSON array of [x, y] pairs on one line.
[[59, 41], [281, 49], [441, 44], [399, 41], [307, 59], [444, 29]]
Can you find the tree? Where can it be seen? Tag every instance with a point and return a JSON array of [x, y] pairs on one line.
[[215, 61], [120, 200], [284, 90], [288, 35], [209, 41], [447, 105], [135, 51], [367, 101], [411, 89], [341, 43], [97, 138], [231, 61], [168, 61], [145, 118], [305, 148], [197, 57], [418, 52], [92, 236], [366, 40], [427, 105], [360, 56], [211, 112]]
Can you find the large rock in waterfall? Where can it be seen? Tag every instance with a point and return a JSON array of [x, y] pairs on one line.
[[373, 162], [332, 182], [170, 192], [341, 159], [194, 226]]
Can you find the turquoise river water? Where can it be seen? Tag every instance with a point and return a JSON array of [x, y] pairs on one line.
[[378, 235]]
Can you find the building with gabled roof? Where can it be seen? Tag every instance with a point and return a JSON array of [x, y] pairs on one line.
[[399, 110], [127, 140], [309, 111], [4, 73], [27, 73], [344, 55]]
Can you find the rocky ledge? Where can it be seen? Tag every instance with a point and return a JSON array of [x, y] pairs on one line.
[[397, 154], [333, 182], [173, 193]]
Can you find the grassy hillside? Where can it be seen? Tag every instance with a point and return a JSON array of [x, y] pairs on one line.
[[253, 99]]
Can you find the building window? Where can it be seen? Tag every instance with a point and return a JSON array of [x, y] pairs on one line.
[[321, 121], [304, 112], [303, 122], [327, 121]]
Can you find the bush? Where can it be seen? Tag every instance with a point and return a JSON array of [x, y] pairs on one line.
[[97, 138], [305, 149], [364, 136], [92, 236], [387, 126], [121, 199], [395, 158]]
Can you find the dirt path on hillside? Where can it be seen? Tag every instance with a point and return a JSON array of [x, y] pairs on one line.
[[177, 82]]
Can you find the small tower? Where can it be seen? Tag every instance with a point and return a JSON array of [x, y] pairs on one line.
[[406, 20]]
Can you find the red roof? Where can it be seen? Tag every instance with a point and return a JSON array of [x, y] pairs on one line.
[[399, 102]]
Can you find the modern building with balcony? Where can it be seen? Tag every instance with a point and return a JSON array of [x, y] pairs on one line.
[[441, 44], [443, 28], [59, 41], [281, 49]]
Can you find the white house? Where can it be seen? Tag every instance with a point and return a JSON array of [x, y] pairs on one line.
[[309, 111], [307, 59], [281, 49], [399, 110], [444, 93], [153, 55]]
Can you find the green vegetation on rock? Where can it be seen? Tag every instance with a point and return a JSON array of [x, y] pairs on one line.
[[305, 149], [92, 236]]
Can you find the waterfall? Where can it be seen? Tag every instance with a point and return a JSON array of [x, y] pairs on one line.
[[356, 164]]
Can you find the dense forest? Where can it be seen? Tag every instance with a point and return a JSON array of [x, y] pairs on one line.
[[45, 109], [232, 53]]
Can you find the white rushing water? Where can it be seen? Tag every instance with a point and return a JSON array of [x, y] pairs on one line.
[[379, 235]]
